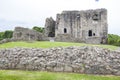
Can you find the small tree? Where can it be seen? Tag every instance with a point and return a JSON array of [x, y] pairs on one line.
[[114, 39], [8, 34]]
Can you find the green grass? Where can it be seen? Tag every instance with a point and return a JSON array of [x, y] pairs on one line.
[[46, 44], [36, 75]]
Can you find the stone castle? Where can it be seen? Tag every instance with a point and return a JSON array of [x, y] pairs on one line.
[[89, 26]]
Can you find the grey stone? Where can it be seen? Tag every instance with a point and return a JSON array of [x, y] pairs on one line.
[[88, 26], [117, 73], [26, 34], [91, 60], [49, 27], [68, 68]]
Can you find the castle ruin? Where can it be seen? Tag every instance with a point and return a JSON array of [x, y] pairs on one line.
[[89, 26], [26, 34]]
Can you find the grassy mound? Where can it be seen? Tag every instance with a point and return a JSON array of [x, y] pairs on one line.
[[46, 44], [36, 75]]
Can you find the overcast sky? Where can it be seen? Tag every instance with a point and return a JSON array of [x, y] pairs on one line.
[[29, 13]]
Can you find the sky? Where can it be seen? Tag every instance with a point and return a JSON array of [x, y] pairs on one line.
[[29, 13]]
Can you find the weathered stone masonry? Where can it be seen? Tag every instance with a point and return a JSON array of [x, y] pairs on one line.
[[91, 60], [26, 34], [89, 26]]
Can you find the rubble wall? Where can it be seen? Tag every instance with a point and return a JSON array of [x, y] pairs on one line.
[[90, 60]]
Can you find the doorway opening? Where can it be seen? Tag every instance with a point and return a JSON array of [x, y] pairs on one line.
[[65, 30], [90, 33]]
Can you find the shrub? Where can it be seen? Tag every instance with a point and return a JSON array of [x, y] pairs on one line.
[[113, 39]]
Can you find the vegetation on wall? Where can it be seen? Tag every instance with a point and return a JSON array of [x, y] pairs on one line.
[[39, 29]]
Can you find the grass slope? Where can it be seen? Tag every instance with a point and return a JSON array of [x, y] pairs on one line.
[[46, 44], [36, 75]]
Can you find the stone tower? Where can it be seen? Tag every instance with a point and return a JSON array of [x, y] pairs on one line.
[[89, 26]]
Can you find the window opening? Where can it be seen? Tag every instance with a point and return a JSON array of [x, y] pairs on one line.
[[90, 33], [96, 17], [93, 34], [65, 30]]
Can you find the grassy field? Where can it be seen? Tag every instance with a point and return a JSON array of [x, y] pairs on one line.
[[46, 44], [36, 75]]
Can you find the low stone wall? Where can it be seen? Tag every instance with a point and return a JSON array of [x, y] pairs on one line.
[[7, 40], [90, 60]]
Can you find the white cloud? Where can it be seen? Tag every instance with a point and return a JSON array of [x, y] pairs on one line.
[[28, 13]]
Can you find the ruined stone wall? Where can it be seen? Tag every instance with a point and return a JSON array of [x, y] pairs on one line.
[[64, 38], [26, 34], [90, 60], [97, 23], [49, 27], [83, 25], [7, 40], [67, 20], [94, 40]]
